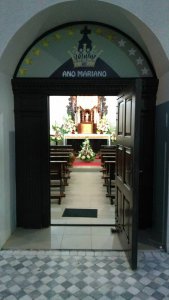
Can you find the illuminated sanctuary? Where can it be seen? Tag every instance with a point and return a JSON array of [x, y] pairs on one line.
[[80, 117], [87, 111]]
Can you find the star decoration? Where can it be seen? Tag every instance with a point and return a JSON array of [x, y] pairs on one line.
[[45, 43], [132, 51], [110, 37], [139, 61], [144, 71], [22, 71], [57, 36], [36, 51], [28, 61], [99, 30], [122, 43], [70, 32]]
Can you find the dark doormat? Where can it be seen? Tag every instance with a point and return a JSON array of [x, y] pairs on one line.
[[80, 213]]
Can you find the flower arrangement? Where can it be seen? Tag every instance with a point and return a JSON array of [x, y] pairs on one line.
[[58, 135], [103, 126], [86, 153], [113, 136], [68, 125]]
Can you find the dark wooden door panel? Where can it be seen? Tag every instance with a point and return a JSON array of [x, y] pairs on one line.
[[32, 150], [128, 117], [127, 170]]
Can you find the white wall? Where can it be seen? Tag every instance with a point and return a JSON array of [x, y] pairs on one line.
[[57, 116], [163, 89], [58, 110], [21, 22], [7, 161]]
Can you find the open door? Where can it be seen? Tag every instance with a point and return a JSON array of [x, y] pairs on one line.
[[127, 170]]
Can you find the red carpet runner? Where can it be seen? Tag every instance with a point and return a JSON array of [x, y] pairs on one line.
[[80, 163]]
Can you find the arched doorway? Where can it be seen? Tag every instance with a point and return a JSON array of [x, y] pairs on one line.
[[86, 72]]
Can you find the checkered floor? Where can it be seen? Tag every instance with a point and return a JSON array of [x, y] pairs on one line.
[[82, 275]]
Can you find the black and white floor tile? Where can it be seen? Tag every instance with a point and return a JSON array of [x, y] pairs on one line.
[[82, 275]]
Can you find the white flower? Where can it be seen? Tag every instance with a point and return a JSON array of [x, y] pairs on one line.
[[103, 125], [68, 125]]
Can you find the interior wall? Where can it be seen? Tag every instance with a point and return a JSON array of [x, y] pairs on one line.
[[26, 20], [161, 178], [7, 161], [163, 89], [161, 164]]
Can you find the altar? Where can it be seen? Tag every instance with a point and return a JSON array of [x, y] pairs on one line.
[[96, 140], [86, 118]]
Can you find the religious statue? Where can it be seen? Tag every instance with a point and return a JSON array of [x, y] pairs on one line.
[[87, 117]]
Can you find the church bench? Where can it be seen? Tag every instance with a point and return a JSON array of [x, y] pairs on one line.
[[107, 155], [57, 153], [66, 171], [57, 186], [54, 156], [110, 179], [105, 166], [108, 147], [62, 150], [69, 150], [69, 153], [55, 147]]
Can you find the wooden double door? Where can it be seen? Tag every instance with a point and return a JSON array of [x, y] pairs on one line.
[[135, 135]]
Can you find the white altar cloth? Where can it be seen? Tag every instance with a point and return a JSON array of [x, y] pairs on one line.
[[83, 136]]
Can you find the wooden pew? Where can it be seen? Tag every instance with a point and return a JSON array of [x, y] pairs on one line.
[[69, 150], [110, 179], [64, 151], [105, 167], [57, 186], [108, 150], [65, 171], [61, 148], [102, 147], [59, 171], [107, 154]]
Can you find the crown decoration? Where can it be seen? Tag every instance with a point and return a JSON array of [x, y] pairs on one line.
[[85, 55]]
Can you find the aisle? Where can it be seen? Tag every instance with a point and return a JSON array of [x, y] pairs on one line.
[[85, 191]]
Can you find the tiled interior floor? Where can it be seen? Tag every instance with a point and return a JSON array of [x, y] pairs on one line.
[[80, 262], [64, 237], [85, 190], [82, 275]]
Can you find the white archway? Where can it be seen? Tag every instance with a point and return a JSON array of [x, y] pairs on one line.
[[33, 20], [42, 18]]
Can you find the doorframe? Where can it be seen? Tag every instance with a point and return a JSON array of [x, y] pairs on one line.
[[30, 96], [54, 86]]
